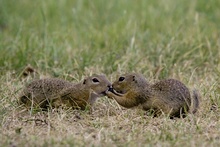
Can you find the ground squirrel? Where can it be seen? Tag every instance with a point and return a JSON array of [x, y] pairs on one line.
[[169, 96], [55, 92]]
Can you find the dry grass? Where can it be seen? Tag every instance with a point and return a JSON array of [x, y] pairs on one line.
[[108, 124]]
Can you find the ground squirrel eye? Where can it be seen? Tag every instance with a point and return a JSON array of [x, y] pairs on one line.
[[95, 80], [121, 79]]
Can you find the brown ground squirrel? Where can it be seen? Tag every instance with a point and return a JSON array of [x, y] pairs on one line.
[[169, 96], [55, 92]]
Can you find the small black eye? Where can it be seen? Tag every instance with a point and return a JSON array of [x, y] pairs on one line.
[[95, 80], [121, 79]]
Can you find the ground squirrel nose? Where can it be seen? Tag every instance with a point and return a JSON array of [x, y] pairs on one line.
[[110, 88]]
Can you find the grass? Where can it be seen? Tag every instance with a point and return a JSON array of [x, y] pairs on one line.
[[73, 39]]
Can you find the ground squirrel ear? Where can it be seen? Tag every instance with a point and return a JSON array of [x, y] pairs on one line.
[[84, 82]]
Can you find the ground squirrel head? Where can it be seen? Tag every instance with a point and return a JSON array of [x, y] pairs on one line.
[[99, 84], [128, 90], [126, 82]]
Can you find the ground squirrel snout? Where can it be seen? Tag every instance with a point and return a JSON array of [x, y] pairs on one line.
[[55, 92], [167, 96]]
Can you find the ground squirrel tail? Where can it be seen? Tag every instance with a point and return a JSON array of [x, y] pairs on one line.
[[196, 101]]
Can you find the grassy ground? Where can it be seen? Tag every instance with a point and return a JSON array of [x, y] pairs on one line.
[[73, 39]]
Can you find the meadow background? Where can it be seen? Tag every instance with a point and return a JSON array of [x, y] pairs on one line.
[[73, 39]]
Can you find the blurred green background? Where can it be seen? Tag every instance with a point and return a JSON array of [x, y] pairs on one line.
[[143, 35]]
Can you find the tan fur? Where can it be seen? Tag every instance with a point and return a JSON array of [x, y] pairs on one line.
[[54, 92], [168, 96]]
